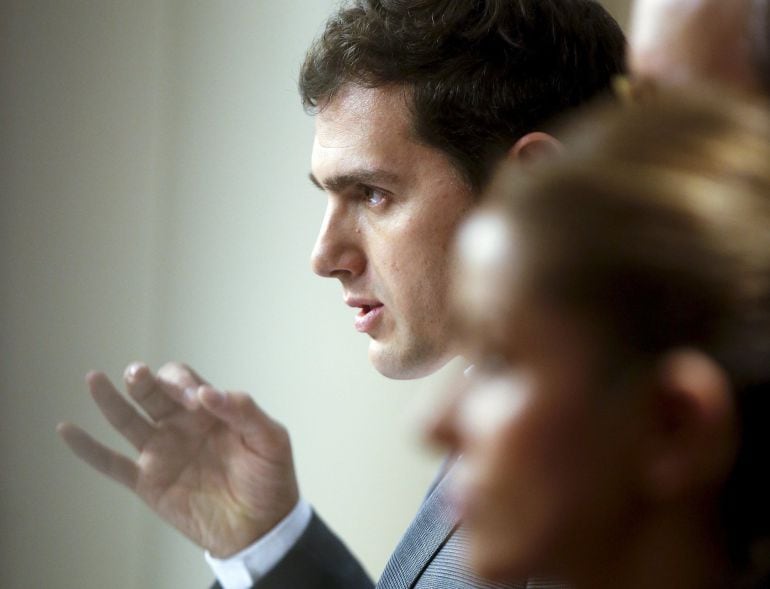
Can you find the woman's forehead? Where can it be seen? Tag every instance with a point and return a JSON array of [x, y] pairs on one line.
[[486, 237], [488, 281], [488, 258]]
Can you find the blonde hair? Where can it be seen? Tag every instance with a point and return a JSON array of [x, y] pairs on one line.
[[656, 222]]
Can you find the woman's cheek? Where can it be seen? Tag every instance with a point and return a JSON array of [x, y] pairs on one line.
[[489, 417], [492, 406]]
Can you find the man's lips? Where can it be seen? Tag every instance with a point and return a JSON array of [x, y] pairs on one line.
[[369, 314], [368, 317]]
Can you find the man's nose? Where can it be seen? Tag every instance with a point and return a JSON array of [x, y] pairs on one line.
[[338, 251]]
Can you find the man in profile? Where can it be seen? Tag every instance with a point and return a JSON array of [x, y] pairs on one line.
[[415, 104]]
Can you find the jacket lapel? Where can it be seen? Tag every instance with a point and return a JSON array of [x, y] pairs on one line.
[[427, 533]]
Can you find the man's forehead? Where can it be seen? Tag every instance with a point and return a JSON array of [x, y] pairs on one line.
[[364, 129], [356, 113], [348, 154], [371, 129]]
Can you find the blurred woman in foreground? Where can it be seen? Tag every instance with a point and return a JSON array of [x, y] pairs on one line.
[[615, 428]]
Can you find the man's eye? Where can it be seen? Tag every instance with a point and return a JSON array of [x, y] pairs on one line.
[[373, 196]]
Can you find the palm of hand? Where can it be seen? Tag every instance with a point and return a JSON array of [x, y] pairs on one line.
[[215, 467]]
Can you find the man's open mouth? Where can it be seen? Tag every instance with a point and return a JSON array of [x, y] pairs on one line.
[[368, 317]]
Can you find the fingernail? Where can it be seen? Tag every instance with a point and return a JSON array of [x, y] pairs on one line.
[[132, 370], [190, 396]]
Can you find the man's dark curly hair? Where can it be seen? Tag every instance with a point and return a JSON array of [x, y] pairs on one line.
[[479, 74]]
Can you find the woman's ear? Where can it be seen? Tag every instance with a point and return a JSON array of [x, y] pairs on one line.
[[692, 429], [534, 147]]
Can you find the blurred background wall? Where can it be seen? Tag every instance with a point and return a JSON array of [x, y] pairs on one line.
[[155, 205]]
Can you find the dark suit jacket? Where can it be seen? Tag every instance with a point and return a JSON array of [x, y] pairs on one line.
[[431, 555]]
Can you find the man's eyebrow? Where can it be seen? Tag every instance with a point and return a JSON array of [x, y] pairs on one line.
[[340, 182]]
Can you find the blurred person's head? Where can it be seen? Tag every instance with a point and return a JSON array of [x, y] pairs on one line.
[[680, 42], [616, 306], [415, 104]]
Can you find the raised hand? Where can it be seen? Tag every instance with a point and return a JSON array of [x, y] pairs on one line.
[[210, 463]]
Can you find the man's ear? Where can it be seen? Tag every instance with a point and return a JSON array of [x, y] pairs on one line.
[[535, 146], [692, 430]]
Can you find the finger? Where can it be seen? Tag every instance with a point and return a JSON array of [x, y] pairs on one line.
[[242, 414], [106, 461], [180, 383], [146, 390], [119, 412]]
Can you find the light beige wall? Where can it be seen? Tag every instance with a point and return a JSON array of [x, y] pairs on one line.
[[620, 9], [80, 91], [155, 205]]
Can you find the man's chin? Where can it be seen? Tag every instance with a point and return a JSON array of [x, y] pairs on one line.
[[405, 364]]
